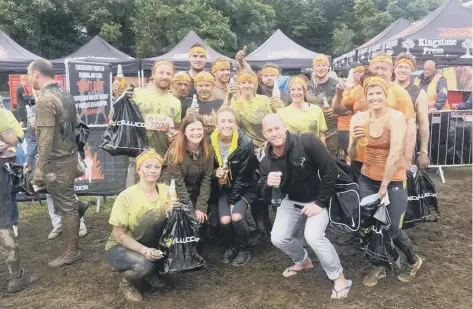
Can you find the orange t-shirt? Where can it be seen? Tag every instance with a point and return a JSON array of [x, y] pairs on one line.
[[353, 100]]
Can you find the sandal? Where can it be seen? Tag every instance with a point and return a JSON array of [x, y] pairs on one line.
[[335, 292], [289, 272]]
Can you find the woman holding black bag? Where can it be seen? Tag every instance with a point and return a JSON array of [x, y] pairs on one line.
[[138, 219], [383, 131]]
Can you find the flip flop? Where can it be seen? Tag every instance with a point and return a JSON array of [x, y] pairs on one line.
[[289, 272], [348, 287]]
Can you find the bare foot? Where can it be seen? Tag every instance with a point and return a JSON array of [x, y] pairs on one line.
[[341, 288], [293, 270]]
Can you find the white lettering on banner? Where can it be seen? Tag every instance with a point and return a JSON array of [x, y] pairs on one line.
[[85, 67], [90, 75], [431, 51], [180, 56], [436, 43], [81, 188], [130, 124], [185, 240], [91, 104], [90, 97]]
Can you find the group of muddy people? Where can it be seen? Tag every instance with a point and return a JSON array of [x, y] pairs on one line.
[[230, 144]]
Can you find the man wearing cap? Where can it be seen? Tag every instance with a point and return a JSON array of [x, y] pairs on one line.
[[208, 105], [403, 67], [321, 90], [221, 71], [181, 86], [398, 98], [161, 112]]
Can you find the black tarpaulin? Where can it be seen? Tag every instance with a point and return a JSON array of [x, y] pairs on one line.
[[98, 50]]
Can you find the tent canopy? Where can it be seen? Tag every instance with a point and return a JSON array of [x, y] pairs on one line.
[[13, 57], [283, 51], [98, 50], [179, 54], [443, 36], [344, 61]]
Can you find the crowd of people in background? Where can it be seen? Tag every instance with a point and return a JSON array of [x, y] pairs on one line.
[[229, 142]]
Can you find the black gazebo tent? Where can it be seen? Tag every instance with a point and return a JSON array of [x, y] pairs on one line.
[[179, 54], [13, 57], [283, 51], [98, 50]]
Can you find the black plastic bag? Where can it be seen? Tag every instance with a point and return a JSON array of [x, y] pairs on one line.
[[422, 204], [126, 134], [368, 207], [380, 248], [82, 134], [179, 239]]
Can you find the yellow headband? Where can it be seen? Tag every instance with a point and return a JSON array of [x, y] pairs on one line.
[[197, 50], [181, 76], [375, 81], [298, 80], [320, 59], [247, 77], [163, 62], [222, 64], [382, 59], [405, 60], [269, 70], [204, 76], [148, 154], [359, 69]]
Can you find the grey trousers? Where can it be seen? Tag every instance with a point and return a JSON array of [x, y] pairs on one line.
[[287, 222]]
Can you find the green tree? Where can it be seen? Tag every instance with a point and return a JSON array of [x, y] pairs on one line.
[[342, 40], [159, 26]]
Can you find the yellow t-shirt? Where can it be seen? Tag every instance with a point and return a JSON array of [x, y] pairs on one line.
[[140, 216], [250, 117], [310, 120], [4, 122], [160, 113], [11, 122]]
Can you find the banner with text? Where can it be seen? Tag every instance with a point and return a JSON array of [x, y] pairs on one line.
[[90, 84]]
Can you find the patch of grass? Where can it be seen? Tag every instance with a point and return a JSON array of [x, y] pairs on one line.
[[34, 209]]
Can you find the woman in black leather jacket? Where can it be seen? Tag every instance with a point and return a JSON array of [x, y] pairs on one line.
[[236, 164]]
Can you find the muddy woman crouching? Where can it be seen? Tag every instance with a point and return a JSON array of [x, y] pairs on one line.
[[138, 218]]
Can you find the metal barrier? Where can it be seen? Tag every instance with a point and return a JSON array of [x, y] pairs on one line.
[[450, 143]]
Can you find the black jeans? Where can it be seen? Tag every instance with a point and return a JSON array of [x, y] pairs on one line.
[[397, 208], [133, 265]]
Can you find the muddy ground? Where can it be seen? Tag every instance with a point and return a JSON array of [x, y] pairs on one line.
[[443, 282]]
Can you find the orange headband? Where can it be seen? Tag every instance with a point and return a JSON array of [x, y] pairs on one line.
[[247, 77], [269, 70], [222, 64], [358, 69], [163, 62], [382, 59], [197, 50], [375, 81], [182, 76], [320, 59], [298, 80], [204, 76], [405, 60]]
